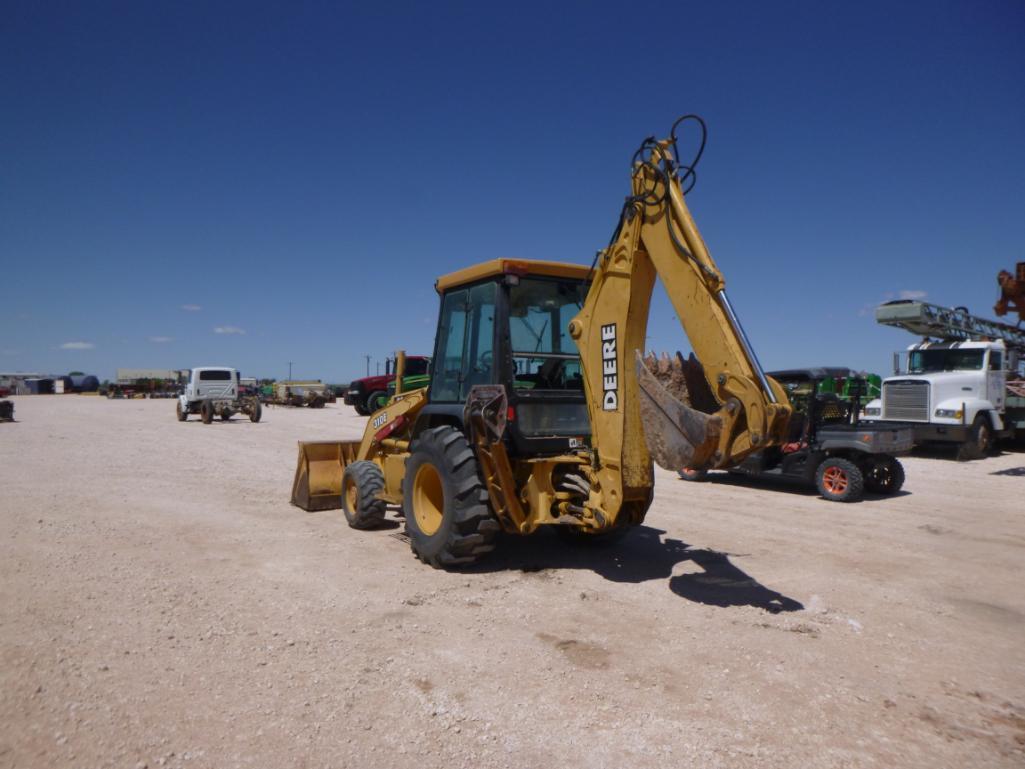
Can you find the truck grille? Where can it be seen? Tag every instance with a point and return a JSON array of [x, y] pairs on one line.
[[906, 401]]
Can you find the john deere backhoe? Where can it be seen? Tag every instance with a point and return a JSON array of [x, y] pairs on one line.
[[540, 410]]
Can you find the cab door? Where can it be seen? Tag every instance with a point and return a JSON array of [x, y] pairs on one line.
[[464, 355], [996, 379]]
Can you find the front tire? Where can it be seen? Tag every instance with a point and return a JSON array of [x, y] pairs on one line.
[[183, 414], [361, 483], [206, 412], [256, 412], [445, 503], [980, 441], [839, 480], [884, 475]]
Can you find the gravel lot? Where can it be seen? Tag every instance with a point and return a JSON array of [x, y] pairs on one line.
[[161, 604]]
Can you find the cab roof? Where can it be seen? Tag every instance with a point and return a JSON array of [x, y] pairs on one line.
[[521, 267]]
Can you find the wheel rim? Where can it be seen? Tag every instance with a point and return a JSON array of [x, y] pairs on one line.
[[351, 495], [834, 479], [983, 437], [428, 499], [883, 475]]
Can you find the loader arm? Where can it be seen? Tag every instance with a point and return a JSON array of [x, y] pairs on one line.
[[633, 418]]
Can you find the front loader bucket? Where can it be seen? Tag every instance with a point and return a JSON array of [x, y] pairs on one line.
[[677, 435], [318, 473]]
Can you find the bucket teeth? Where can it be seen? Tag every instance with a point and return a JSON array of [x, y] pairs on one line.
[[669, 373], [677, 435]]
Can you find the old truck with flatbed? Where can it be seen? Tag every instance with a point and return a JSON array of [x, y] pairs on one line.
[[213, 391]]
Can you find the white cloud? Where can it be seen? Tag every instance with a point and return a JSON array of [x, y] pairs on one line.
[[77, 346], [913, 294], [191, 307], [229, 330], [161, 339]]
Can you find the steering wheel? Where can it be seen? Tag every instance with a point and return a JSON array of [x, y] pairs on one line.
[[484, 361]]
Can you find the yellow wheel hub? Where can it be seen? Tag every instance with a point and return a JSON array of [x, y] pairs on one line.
[[428, 499]]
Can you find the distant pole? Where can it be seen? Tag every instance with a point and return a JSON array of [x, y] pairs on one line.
[[368, 364], [378, 367], [290, 371]]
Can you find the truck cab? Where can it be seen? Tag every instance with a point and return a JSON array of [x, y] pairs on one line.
[[215, 391], [952, 391], [211, 383]]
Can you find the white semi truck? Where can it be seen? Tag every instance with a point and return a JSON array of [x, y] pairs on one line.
[[963, 383]]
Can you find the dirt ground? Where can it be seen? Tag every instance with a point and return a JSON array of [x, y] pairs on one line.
[[162, 604]]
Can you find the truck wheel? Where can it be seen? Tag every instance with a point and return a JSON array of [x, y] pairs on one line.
[[256, 412], [690, 474], [361, 483], [839, 480], [884, 475], [376, 400], [183, 414], [444, 501], [206, 413], [980, 440]]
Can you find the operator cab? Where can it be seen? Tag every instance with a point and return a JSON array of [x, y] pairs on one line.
[[507, 322]]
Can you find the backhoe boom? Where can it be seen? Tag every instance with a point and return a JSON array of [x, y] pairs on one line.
[[633, 418]]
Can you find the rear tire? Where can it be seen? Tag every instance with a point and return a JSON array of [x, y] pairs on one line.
[[361, 483], [206, 412], [445, 503], [256, 412], [183, 414], [884, 475], [840, 480]]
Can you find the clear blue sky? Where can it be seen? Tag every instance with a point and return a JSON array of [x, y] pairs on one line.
[[303, 171]]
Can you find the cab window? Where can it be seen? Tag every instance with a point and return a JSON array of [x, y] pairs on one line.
[[216, 375], [464, 355]]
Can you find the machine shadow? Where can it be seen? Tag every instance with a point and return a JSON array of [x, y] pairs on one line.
[[1012, 471], [640, 556]]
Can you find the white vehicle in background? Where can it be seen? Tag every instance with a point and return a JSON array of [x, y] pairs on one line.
[[214, 391], [967, 388]]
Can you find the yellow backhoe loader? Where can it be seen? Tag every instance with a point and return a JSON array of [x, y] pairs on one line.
[[540, 410]]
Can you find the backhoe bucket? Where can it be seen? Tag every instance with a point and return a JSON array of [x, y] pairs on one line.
[[677, 435], [318, 473]]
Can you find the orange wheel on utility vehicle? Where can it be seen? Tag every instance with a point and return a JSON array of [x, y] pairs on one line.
[[840, 480]]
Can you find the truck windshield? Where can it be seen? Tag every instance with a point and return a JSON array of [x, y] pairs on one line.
[[544, 354], [927, 361]]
